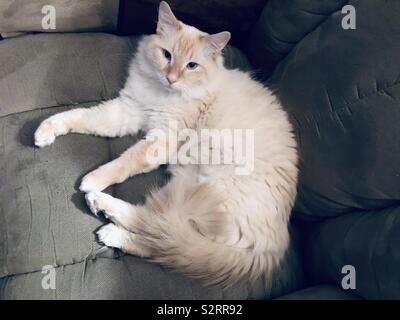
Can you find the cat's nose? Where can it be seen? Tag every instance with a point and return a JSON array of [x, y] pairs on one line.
[[172, 78]]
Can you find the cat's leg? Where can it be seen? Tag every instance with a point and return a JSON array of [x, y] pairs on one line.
[[137, 159], [124, 217], [113, 118], [115, 236]]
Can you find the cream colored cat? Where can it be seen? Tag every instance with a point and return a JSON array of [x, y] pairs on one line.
[[208, 221]]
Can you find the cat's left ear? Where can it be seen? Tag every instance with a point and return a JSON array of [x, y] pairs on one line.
[[216, 42], [167, 22]]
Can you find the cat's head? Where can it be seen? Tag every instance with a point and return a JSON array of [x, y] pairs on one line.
[[183, 58]]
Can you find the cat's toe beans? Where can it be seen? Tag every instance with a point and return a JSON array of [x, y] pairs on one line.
[[111, 235]]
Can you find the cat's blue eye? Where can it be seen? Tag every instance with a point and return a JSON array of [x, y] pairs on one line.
[[167, 54], [192, 65]]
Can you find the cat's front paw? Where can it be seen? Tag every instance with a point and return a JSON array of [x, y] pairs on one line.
[[93, 182], [47, 132], [112, 236]]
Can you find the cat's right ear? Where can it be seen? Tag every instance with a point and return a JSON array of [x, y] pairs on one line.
[[167, 23], [216, 42]]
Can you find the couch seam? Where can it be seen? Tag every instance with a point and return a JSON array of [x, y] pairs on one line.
[[56, 266], [343, 107], [72, 104]]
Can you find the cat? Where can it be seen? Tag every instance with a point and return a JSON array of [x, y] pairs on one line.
[[208, 221]]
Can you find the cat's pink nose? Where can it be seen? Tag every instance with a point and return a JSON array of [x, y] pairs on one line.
[[172, 78]]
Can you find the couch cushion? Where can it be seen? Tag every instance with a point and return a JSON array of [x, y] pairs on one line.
[[45, 70], [127, 277], [83, 15], [41, 212], [342, 90], [282, 24], [367, 241]]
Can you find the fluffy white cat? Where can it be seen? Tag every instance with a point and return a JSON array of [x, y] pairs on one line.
[[207, 221]]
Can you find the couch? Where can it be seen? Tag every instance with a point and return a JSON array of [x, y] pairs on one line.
[[340, 88]]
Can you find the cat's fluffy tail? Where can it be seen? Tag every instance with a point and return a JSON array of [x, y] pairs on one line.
[[178, 229]]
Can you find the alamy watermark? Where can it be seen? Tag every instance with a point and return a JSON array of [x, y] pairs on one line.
[[349, 280], [204, 146], [349, 20], [49, 280], [49, 19]]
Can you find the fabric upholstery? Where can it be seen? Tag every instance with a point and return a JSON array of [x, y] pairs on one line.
[[368, 241], [53, 70], [342, 91], [321, 292], [71, 16], [283, 24]]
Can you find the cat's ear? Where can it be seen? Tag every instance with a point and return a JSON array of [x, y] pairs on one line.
[[167, 22], [216, 42]]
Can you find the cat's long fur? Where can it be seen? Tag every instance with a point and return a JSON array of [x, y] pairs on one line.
[[208, 221]]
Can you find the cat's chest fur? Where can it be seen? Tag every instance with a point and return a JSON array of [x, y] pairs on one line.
[[193, 114], [161, 107]]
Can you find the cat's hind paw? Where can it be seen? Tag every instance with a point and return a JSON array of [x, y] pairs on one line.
[[92, 202], [112, 235], [99, 201]]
